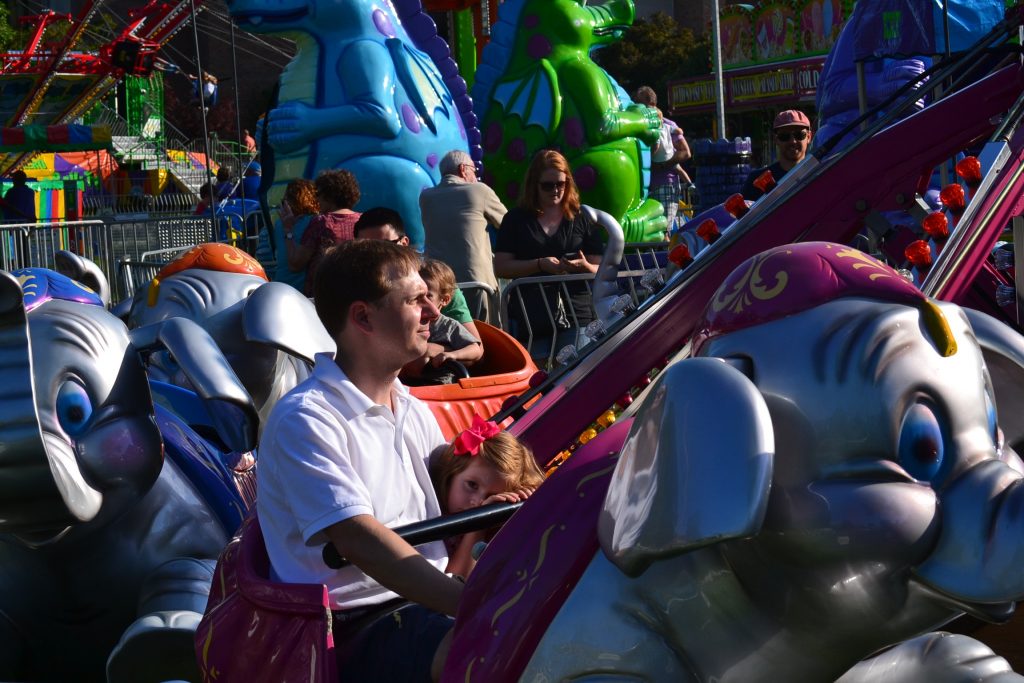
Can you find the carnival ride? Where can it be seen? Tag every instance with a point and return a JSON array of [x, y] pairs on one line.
[[69, 82], [549, 553], [529, 601]]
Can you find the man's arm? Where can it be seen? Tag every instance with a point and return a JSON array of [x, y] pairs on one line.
[[383, 556], [682, 148], [494, 210]]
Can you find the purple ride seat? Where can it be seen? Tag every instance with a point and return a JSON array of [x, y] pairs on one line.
[[257, 629]]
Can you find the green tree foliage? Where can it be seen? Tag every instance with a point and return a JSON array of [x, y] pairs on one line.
[[7, 32], [653, 52]]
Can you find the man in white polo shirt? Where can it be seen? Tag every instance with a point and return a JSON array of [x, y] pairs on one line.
[[343, 457]]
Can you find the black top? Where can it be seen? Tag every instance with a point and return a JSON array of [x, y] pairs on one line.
[[752, 193], [522, 236]]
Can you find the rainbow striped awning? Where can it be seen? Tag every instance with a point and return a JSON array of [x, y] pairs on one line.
[[69, 138]]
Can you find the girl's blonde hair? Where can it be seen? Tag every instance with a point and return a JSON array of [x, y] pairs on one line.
[[542, 161], [504, 452]]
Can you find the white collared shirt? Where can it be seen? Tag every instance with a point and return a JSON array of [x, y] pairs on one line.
[[329, 453]]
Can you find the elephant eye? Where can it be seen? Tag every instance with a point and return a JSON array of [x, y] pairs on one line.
[[921, 447], [73, 408]]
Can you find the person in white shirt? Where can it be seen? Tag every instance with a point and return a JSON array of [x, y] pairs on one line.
[[344, 456]]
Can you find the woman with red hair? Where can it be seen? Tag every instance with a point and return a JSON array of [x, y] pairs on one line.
[[547, 234]]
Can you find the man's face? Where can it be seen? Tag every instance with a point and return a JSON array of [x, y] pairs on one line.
[[792, 143], [401, 320], [385, 232]]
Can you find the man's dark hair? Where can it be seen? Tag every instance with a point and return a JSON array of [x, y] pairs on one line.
[[357, 270], [338, 187], [378, 216]]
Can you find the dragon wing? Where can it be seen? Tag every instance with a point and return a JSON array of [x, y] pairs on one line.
[[422, 82], [534, 97]]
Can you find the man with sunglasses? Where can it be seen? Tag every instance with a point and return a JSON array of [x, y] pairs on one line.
[[793, 136]]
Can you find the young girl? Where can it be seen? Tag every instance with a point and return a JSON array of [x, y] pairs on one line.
[[482, 465]]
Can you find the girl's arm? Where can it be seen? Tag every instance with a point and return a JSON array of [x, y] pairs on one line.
[[461, 562]]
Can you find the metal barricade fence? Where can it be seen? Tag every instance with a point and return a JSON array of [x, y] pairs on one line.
[[644, 255], [105, 242], [112, 205], [24, 245], [541, 345], [477, 286], [133, 274]]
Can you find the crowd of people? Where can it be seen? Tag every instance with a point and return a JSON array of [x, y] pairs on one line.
[[546, 234]]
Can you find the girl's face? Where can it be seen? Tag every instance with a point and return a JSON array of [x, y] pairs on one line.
[[473, 485], [552, 187]]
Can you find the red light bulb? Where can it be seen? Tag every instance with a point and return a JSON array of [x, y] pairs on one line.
[[936, 225], [708, 229], [765, 181], [952, 197], [680, 256], [736, 205], [969, 168], [919, 254]]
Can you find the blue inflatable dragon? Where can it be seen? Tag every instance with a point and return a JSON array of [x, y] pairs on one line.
[[363, 95]]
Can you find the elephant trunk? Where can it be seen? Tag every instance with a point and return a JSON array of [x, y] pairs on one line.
[[978, 559], [29, 498]]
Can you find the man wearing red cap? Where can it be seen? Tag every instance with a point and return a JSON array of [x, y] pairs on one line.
[[793, 136]]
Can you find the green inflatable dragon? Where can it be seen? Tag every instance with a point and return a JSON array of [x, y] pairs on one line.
[[537, 88]]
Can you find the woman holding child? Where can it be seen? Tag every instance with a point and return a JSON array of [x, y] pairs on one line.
[[547, 234]]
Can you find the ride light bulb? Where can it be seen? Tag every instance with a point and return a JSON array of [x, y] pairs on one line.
[[595, 329], [1003, 258], [680, 255], [936, 225], [952, 197], [566, 354], [1006, 295], [765, 181], [919, 254], [737, 206], [652, 279], [969, 169], [708, 229], [623, 304]]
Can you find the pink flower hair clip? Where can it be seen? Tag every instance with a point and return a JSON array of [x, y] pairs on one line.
[[468, 442]]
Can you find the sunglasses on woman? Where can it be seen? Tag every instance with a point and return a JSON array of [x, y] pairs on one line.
[[799, 136], [552, 185]]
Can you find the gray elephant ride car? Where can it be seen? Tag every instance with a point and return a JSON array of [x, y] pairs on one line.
[[113, 507]]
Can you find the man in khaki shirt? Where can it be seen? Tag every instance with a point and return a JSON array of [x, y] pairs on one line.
[[455, 217]]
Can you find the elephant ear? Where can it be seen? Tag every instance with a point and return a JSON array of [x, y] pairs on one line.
[[303, 336], [225, 398], [83, 270], [1003, 351], [695, 469]]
